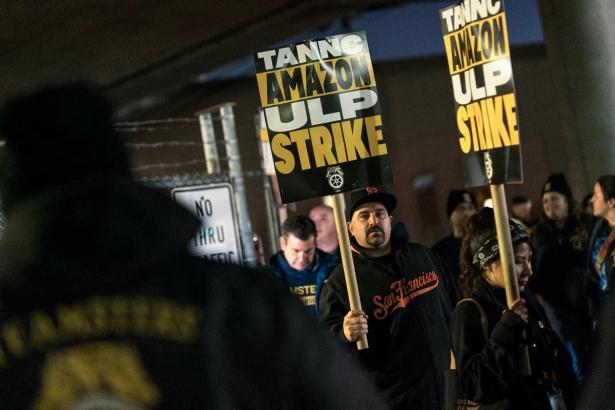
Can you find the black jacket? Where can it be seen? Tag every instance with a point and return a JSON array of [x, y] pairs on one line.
[[560, 271], [100, 303], [448, 250], [409, 313], [598, 391], [491, 372]]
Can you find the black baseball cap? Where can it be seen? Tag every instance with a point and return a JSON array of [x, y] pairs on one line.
[[371, 194]]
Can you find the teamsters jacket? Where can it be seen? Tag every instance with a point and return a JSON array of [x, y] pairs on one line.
[[101, 306], [306, 284]]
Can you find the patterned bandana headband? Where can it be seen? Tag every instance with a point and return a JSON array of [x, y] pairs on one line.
[[490, 249]]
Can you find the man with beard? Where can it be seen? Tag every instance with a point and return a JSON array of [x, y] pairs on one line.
[[405, 306], [460, 206]]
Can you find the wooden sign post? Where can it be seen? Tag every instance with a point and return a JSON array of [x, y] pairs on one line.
[[339, 208], [507, 259], [486, 114]]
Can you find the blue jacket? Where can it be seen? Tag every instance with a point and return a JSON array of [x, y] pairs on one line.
[[306, 283]]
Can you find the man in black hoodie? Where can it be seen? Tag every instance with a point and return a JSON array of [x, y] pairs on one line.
[[405, 307], [103, 307], [460, 206]]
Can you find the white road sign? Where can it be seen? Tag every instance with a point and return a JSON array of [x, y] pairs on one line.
[[217, 239]]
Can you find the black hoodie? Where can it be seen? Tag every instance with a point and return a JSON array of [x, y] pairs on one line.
[[408, 311]]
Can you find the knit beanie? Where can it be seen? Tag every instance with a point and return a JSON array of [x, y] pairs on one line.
[[557, 183], [456, 197]]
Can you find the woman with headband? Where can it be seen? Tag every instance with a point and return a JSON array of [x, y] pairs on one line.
[[488, 339]]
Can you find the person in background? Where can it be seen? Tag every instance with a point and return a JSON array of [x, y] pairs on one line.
[[588, 208], [406, 309], [602, 241], [521, 210], [103, 306], [300, 264], [401, 230], [561, 276], [598, 392], [489, 369], [460, 206], [323, 217]]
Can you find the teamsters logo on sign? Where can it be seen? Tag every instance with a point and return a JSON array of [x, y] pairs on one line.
[[323, 116], [477, 49]]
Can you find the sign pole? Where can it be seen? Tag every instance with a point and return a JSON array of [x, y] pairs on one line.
[[349, 272], [500, 211]]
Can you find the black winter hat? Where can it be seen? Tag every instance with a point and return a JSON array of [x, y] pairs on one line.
[[557, 183], [456, 197], [56, 135], [371, 194]]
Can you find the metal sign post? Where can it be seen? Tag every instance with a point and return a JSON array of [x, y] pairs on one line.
[[235, 172], [227, 119], [212, 160]]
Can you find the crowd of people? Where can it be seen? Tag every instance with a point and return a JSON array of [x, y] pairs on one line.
[[563, 263], [101, 306]]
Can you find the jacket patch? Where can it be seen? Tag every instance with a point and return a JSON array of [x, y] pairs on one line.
[[403, 292], [306, 293], [82, 376]]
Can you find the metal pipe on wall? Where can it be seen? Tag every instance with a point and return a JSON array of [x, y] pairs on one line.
[[273, 222], [208, 136], [227, 118]]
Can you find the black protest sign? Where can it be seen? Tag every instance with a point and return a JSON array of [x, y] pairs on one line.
[[477, 49], [322, 112]]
